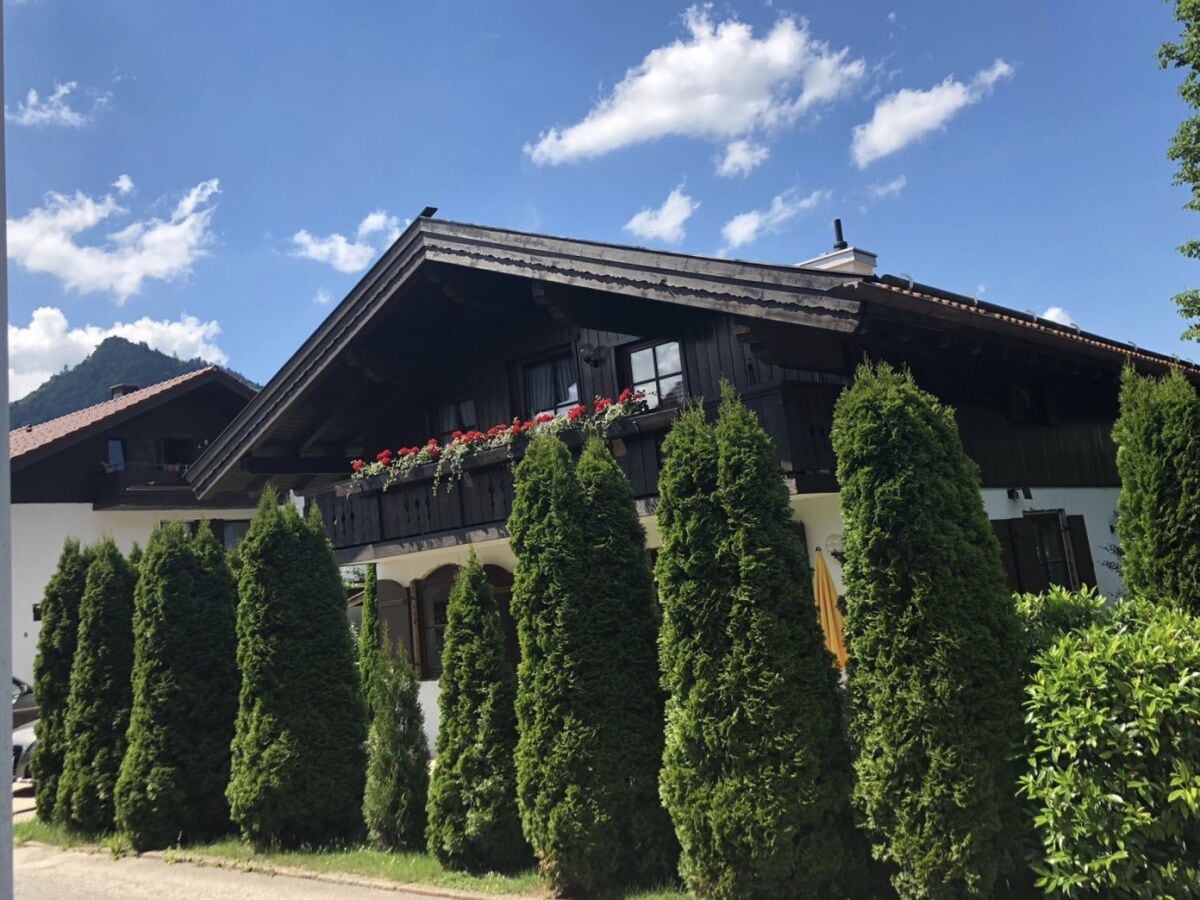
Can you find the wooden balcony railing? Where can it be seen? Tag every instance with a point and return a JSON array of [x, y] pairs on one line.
[[410, 516]]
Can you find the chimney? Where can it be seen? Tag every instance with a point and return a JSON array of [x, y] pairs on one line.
[[120, 390], [843, 257]]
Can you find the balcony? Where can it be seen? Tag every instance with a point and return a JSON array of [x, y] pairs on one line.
[[143, 485], [365, 522]]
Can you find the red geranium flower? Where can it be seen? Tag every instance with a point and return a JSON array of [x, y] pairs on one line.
[[625, 396], [543, 418], [602, 403], [575, 412], [384, 456], [357, 465]]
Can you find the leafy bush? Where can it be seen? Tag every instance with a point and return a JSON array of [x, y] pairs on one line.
[[1047, 617], [935, 644], [298, 767], [1114, 770], [98, 709], [397, 752], [52, 672], [185, 687], [1158, 511], [473, 819], [757, 771]]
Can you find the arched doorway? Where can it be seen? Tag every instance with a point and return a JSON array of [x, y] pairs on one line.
[[432, 594]]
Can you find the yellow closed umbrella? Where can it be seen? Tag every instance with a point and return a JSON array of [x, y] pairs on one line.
[[825, 595]]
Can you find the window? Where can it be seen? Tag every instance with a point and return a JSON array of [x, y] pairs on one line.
[[1045, 548], [455, 417], [141, 452], [658, 370], [116, 455], [433, 596], [176, 451], [551, 385]]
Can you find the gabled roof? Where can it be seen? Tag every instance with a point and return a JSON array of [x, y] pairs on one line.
[[36, 441], [780, 292]]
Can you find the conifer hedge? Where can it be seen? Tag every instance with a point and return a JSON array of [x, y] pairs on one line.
[[298, 767], [397, 784], [566, 764], [757, 774], [473, 822], [185, 690], [52, 672], [1158, 512], [98, 708], [935, 645]]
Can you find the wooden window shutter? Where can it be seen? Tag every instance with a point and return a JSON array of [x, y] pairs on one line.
[[1030, 572], [1085, 569]]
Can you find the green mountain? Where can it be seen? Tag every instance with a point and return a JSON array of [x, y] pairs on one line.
[[115, 361]]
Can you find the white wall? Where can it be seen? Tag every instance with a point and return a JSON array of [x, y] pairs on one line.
[[38, 533]]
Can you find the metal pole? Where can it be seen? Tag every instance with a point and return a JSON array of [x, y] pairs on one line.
[[6, 598]]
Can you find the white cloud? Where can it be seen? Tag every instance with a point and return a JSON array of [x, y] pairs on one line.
[[908, 115], [891, 188], [375, 232], [44, 240], [666, 222], [322, 297], [48, 343], [746, 227], [741, 157], [123, 184], [55, 108], [718, 83], [1059, 315]]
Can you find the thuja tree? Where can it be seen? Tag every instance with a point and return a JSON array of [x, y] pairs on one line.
[[567, 765], [369, 636], [622, 596], [52, 672], [397, 752], [297, 770], [1158, 511], [98, 708], [473, 819], [758, 772], [935, 645], [185, 687]]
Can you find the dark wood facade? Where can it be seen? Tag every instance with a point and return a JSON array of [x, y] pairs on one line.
[[1028, 421]]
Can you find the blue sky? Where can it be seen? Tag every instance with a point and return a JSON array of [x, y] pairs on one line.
[[270, 150]]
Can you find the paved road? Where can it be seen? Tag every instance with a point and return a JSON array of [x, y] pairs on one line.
[[44, 873]]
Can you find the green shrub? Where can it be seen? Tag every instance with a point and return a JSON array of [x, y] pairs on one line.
[[935, 644], [757, 771], [1114, 770], [98, 709], [1047, 617], [185, 688], [298, 767], [473, 822], [565, 794], [52, 672], [397, 753], [1158, 511]]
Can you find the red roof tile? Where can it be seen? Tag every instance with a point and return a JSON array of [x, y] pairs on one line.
[[31, 437]]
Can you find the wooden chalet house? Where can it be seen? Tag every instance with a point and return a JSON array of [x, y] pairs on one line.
[[460, 326], [114, 469]]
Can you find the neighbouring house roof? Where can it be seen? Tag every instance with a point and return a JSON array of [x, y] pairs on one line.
[[832, 301], [35, 441]]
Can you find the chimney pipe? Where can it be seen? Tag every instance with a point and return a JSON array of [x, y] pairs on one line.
[[839, 242]]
